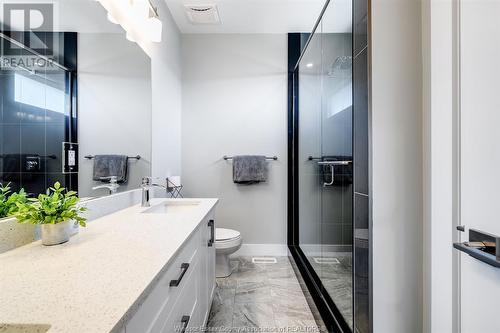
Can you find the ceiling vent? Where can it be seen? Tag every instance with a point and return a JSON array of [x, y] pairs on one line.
[[203, 14]]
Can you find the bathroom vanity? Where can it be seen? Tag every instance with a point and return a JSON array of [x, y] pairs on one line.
[[137, 270]]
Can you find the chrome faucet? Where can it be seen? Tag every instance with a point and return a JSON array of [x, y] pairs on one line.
[[147, 185], [112, 186]]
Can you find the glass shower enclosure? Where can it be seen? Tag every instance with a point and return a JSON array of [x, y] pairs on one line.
[[323, 132], [325, 159]]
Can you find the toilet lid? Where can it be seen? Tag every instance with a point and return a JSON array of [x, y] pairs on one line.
[[225, 234]]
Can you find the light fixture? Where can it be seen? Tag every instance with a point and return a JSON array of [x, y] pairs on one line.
[[139, 18], [154, 24], [310, 65], [155, 29], [140, 8], [112, 19], [129, 37]]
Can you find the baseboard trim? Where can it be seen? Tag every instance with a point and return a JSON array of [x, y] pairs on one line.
[[278, 250], [324, 250]]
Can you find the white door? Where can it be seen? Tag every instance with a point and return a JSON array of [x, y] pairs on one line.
[[480, 158]]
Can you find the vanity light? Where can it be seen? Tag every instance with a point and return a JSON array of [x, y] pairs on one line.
[[130, 37], [155, 28], [112, 19], [140, 9], [139, 18]]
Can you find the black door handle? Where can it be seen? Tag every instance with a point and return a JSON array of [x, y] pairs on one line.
[[185, 322], [211, 224], [184, 268]]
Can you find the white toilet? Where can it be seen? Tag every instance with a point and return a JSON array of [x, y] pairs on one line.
[[227, 242]]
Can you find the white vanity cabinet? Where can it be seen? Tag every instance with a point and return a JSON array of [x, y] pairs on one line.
[[182, 296]]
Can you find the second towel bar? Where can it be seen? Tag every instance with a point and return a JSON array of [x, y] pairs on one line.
[[138, 157], [274, 158]]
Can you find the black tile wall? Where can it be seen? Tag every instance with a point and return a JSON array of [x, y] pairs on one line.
[[360, 96], [360, 25], [31, 137], [361, 207], [361, 285], [362, 302]]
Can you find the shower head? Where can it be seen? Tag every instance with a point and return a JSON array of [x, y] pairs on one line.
[[340, 67]]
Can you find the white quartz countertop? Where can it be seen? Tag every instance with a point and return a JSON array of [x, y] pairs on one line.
[[94, 282]]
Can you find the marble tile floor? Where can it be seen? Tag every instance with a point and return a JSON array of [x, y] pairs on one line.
[[337, 280], [261, 298]]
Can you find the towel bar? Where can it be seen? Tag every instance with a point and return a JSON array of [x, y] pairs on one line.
[[48, 157], [274, 158], [138, 157]]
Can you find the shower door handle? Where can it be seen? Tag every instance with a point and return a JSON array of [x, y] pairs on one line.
[[332, 171], [332, 165]]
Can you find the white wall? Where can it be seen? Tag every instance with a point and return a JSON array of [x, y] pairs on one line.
[[479, 158], [166, 81], [440, 260], [234, 102], [396, 116], [114, 106]]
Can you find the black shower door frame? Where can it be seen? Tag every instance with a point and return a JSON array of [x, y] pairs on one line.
[[329, 312], [331, 315]]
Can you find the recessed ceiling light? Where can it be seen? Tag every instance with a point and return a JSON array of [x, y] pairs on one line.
[[310, 65]]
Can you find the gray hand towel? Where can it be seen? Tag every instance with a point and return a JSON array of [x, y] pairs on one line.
[[249, 170], [106, 166]]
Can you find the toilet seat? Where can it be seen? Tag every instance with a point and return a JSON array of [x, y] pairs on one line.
[[222, 234], [227, 238]]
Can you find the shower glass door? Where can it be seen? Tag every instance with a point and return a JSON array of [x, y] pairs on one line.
[[35, 115], [325, 173]]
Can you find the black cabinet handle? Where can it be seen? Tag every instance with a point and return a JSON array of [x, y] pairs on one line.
[[211, 224], [185, 322], [184, 268]]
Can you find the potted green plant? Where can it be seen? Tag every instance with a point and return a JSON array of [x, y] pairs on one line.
[[56, 212], [8, 200]]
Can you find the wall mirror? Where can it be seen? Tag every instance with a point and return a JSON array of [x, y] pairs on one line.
[[75, 103]]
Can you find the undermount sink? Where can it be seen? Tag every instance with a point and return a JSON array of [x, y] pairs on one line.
[[172, 207], [24, 328]]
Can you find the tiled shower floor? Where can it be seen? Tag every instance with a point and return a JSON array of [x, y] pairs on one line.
[[337, 280], [260, 298]]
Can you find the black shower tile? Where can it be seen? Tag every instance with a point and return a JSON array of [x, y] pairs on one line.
[[360, 100], [33, 139], [361, 211], [360, 25], [11, 139], [33, 183], [10, 108], [53, 146], [361, 286]]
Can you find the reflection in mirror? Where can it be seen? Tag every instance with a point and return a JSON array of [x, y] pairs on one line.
[[77, 89]]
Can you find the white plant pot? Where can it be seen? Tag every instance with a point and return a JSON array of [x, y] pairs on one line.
[[74, 228], [54, 234]]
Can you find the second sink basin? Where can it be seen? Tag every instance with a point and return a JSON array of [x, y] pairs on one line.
[[172, 207]]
